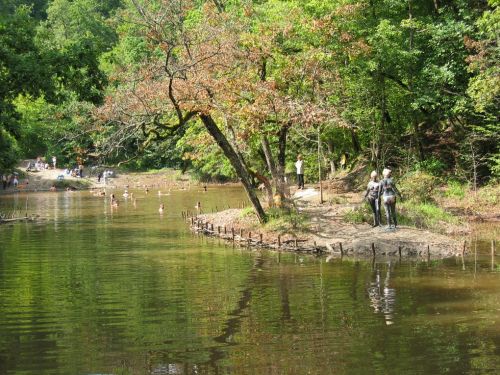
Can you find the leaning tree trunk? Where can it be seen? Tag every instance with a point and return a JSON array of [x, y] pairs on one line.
[[267, 186], [235, 161]]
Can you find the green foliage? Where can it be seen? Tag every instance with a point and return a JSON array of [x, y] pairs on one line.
[[418, 186], [9, 150], [455, 189], [407, 82], [358, 215], [431, 166], [424, 215], [247, 211]]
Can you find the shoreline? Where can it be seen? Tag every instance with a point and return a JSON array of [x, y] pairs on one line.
[[326, 233]]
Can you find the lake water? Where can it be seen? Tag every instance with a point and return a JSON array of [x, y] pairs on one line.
[[94, 290]]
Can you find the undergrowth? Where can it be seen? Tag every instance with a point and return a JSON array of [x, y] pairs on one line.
[[286, 220], [409, 213]]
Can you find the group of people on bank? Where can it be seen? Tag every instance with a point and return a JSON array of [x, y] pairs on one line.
[[8, 180], [385, 191], [377, 192]]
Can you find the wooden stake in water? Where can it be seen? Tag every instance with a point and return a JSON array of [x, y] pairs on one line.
[[373, 249], [492, 255], [26, 212], [341, 250]]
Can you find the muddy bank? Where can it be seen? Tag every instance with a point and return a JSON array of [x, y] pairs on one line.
[[327, 233]]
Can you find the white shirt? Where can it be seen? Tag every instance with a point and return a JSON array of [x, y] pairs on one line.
[[299, 164]]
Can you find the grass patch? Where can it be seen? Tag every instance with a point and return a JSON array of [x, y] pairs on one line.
[[489, 194], [286, 220], [424, 215], [338, 199], [358, 215], [409, 213], [455, 189], [247, 211]]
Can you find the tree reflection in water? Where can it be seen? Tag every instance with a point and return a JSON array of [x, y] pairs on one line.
[[383, 297]]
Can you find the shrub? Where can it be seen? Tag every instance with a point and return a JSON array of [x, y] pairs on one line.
[[418, 186], [247, 211], [455, 189], [424, 215], [358, 215], [431, 166], [285, 219], [490, 194]]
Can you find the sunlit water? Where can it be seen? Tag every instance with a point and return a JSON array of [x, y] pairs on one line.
[[94, 290]]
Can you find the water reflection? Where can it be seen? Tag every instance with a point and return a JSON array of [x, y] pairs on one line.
[[123, 291], [382, 296]]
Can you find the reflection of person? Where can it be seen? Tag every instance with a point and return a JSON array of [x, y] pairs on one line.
[[299, 165], [383, 299], [388, 191], [373, 198]]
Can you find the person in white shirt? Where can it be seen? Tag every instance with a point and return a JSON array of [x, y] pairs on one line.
[[299, 164]]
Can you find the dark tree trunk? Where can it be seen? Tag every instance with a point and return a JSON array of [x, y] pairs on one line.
[[355, 142], [240, 168], [280, 169]]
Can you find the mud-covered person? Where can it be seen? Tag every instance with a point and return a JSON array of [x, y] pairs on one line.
[[388, 192], [373, 197]]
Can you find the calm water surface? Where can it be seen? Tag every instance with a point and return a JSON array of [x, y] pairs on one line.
[[95, 290]]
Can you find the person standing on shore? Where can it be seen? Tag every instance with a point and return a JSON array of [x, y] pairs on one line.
[[299, 165], [373, 198], [4, 181], [54, 160], [388, 192]]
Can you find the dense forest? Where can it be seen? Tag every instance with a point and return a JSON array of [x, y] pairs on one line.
[[237, 88]]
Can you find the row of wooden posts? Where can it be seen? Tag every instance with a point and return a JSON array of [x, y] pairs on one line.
[[237, 236], [209, 229]]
